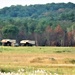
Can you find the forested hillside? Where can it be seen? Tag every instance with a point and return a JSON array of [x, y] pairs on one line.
[[48, 24]]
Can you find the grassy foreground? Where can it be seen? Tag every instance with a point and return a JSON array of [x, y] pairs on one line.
[[52, 59], [38, 49]]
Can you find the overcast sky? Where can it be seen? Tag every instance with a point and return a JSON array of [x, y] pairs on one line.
[[7, 3]]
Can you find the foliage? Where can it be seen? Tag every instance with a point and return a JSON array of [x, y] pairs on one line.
[[32, 21], [9, 31]]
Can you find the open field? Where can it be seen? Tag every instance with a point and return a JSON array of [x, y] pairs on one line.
[[52, 59]]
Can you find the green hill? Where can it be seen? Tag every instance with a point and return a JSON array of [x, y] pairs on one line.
[[30, 22], [53, 11]]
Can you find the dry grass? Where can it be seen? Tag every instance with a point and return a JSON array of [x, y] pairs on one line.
[[35, 59], [49, 58], [29, 56]]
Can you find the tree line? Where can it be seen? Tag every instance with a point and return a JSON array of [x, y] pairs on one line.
[[49, 24], [47, 37]]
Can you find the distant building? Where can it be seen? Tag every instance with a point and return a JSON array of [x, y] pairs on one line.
[[8, 42], [27, 43]]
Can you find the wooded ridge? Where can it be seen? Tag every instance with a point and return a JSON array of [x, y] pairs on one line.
[[47, 24]]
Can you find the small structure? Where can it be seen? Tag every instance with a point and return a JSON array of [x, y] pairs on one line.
[[8, 42], [27, 43]]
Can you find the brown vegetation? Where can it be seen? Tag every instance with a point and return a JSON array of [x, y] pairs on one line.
[[17, 59]]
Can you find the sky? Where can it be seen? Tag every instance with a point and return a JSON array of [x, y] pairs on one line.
[[8, 3]]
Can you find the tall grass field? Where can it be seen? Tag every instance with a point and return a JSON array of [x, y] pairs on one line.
[[60, 60]]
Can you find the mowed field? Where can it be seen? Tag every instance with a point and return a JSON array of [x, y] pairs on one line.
[[61, 59]]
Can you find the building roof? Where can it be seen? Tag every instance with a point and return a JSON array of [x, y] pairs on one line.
[[28, 41], [6, 40]]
